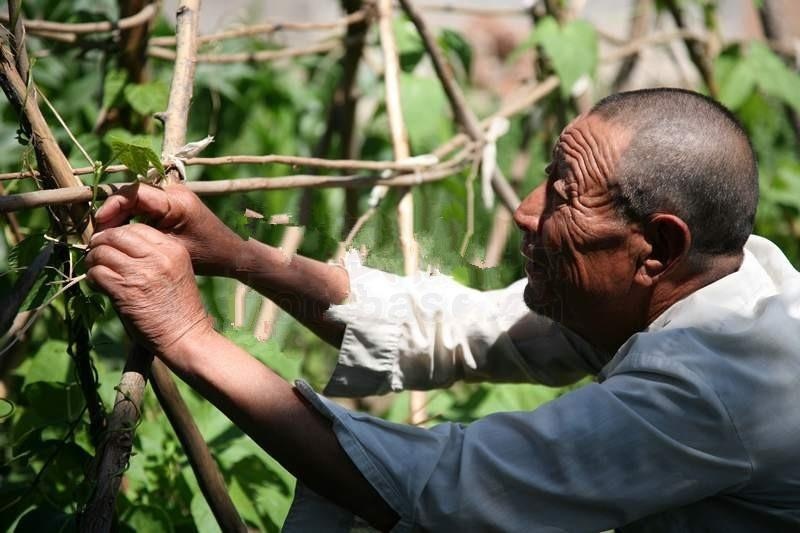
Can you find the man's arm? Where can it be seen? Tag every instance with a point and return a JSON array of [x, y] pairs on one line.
[[149, 279]]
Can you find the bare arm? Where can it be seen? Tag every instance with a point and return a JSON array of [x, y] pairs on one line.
[[149, 278], [276, 417], [303, 287]]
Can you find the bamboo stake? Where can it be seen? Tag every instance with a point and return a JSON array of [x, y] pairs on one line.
[[115, 452], [405, 208], [58, 172]]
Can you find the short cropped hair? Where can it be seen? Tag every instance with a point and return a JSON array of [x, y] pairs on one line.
[[690, 157]]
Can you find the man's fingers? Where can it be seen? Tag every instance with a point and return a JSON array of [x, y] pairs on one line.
[[103, 277], [136, 199], [135, 240], [108, 256]]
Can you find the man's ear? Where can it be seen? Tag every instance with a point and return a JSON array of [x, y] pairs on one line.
[[669, 240]]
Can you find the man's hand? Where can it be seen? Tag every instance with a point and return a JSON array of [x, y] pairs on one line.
[[149, 277], [178, 211]]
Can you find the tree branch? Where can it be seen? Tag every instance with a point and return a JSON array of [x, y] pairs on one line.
[[268, 28], [249, 57], [316, 162], [34, 27], [68, 195]]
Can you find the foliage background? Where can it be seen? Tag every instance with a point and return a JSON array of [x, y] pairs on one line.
[[281, 108]]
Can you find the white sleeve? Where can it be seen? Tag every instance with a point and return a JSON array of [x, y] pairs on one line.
[[428, 331]]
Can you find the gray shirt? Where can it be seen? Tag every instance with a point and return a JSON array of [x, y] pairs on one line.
[[693, 425]]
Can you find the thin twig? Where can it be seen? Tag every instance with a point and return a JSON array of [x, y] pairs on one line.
[[167, 54], [316, 162], [142, 17], [447, 7], [66, 128], [67, 195], [470, 186], [268, 27]]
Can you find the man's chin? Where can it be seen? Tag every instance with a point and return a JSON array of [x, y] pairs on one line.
[[543, 302]]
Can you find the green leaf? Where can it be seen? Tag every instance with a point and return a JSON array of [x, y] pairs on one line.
[[113, 85], [201, 514], [244, 505], [50, 363], [454, 44], [43, 289], [23, 254], [136, 155], [87, 307], [410, 49], [148, 518], [774, 77], [268, 352], [572, 49], [56, 403], [147, 98], [46, 518], [425, 111], [737, 84]]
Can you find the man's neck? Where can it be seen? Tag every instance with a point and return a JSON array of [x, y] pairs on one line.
[[677, 287]]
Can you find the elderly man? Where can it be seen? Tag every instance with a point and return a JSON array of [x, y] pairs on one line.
[[640, 270]]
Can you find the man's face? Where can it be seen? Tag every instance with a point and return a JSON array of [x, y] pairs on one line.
[[581, 254]]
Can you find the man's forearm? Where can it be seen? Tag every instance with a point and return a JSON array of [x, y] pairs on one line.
[[303, 287], [273, 414]]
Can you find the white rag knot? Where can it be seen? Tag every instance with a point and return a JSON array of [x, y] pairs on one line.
[[497, 128]]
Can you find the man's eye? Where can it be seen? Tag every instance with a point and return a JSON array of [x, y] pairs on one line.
[[560, 189]]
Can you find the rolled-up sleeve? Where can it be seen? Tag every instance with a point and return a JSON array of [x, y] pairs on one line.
[[597, 458], [428, 331]]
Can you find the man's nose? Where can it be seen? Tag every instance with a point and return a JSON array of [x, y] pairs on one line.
[[527, 214]]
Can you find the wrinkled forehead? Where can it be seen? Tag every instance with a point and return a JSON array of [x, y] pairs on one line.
[[589, 149]]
